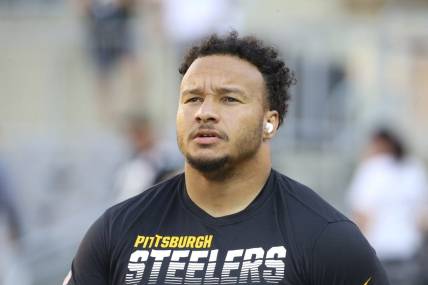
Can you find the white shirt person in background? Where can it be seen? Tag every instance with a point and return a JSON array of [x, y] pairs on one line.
[[387, 198]]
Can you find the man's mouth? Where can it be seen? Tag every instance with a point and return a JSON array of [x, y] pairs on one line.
[[207, 137]]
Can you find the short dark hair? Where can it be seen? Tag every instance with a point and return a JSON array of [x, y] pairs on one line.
[[277, 76], [398, 148]]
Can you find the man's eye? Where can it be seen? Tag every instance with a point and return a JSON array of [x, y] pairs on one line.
[[230, 99], [194, 100]]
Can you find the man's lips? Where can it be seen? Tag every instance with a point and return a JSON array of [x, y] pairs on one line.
[[206, 140], [207, 136]]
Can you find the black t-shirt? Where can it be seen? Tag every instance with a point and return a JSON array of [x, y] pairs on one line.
[[287, 235]]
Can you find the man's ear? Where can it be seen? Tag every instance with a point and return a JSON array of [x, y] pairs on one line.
[[270, 124]]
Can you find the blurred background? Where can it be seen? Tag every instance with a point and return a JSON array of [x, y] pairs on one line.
[[88, 95]]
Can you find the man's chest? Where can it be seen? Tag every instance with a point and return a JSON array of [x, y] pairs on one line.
[[191, 259], [249, 252]]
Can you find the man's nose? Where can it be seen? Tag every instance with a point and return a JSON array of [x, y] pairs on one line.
[[207, 112]]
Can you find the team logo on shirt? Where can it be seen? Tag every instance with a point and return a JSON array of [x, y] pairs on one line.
[[192, 260]]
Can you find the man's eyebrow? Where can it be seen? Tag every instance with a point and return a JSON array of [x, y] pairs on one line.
[[194, 90], [219, 90], [230, 89]]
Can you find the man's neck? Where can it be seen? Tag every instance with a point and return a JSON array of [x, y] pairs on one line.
[[221, 197]]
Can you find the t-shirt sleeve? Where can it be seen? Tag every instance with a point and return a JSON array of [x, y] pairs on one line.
[[342, 256], [90, 265]]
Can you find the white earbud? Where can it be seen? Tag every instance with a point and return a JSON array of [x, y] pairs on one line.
[[269, 127]]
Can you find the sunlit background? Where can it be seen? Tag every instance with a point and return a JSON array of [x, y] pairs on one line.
[[64, 110]]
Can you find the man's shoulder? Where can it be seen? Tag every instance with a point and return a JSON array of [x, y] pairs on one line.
[[149, 200], [306, 216], [302, 201]]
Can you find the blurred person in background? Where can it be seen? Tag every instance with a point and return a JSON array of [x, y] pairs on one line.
[[111, 43], [8, 208], [10, 224], [149, 163], [388, 195], [422, 255]]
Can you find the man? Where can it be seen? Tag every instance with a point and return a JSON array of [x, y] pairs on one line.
[[229, 218]]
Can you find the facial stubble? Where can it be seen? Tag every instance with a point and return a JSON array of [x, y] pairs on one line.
[[246, 147]]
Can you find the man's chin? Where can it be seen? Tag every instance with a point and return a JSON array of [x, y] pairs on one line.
[[208, 165]]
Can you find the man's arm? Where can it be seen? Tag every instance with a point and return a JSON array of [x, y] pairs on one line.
[[342, 256], [90, 265]]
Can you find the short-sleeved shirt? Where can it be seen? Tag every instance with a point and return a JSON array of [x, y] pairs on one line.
[[393, 194], [287, 235]]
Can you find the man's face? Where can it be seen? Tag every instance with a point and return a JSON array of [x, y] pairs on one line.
[[220, 112]]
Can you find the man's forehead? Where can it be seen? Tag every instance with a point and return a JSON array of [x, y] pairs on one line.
[[229, 64], [228, 68]]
